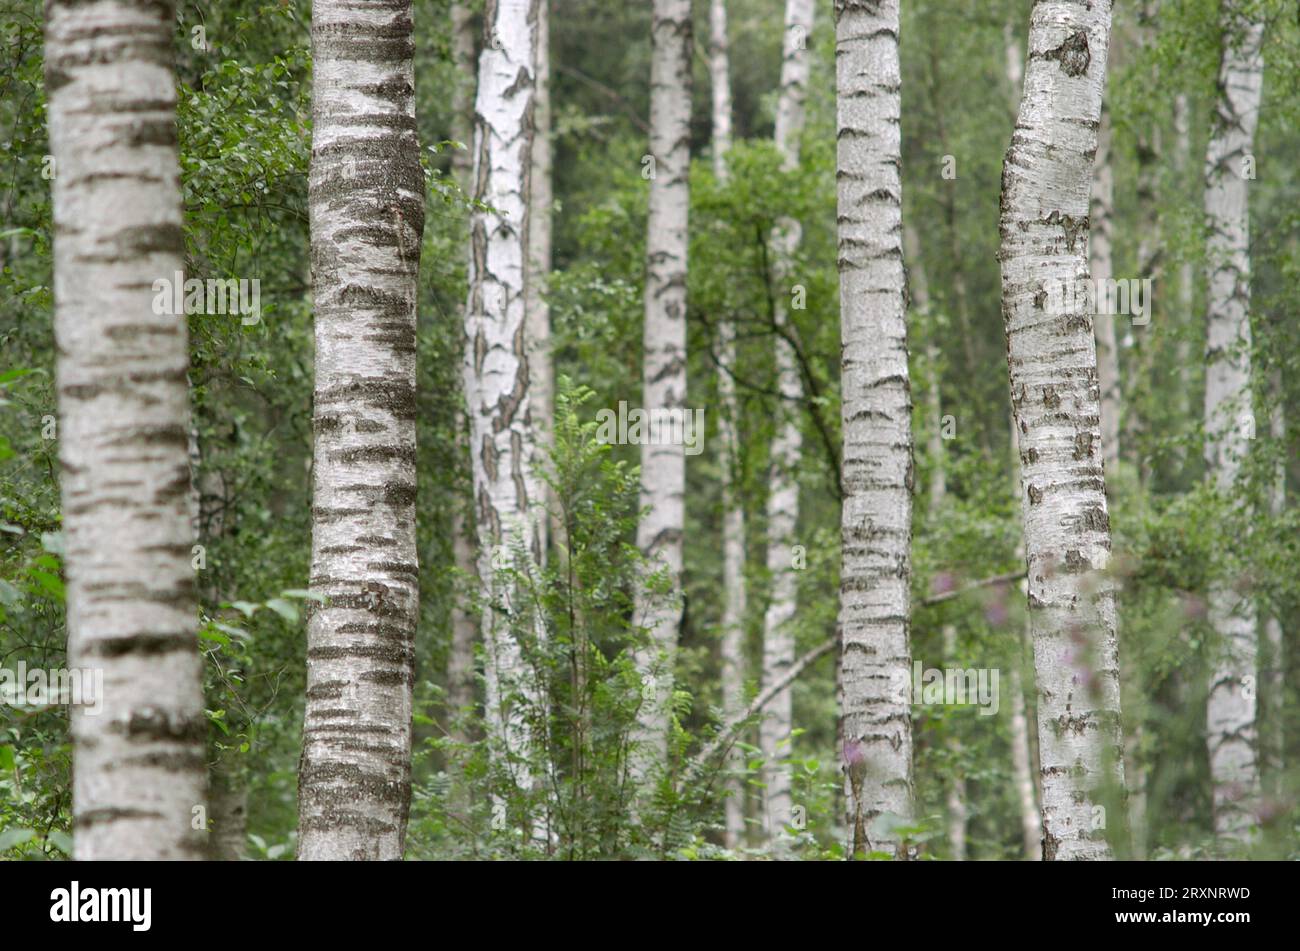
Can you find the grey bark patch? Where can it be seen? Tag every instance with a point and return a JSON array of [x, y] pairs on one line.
[[1073, 54]]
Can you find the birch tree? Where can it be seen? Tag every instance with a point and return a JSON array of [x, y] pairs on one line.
[[1231, 729], [366, 203], [877, 474], [139, 767], [541, 375], [733, 512], [497, 382], [783, 487], [1102, 269], [663, 467], [1054, 393]]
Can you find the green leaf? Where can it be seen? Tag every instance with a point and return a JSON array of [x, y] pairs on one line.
[[284, 608], [246, 608], [13, 837], [61, 841], [49, 582], [6, 758]]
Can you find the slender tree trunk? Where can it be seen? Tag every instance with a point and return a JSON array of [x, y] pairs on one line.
[[497, 380], [229, 813], [139, 768], [541, 374], [462, 93], [733, 512], [1186, 277], [720, 87], [1102, 269], [1231, 729], [787, 447], [663, 467], [464, 626], [876, 520], [1054, 391], [919, 288], [1273, 681], [366, 196]]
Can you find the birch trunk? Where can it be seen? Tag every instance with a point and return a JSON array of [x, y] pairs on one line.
[[1054, 391], [366, 197], [663, 467], [139, 767], [1231, 730], [1102, 269], [1031, 824], [733, 512], [876, 520], [541, 375], [497, 381], [787, 448]]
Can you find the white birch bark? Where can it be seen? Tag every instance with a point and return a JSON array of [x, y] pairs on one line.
[[663, 467], [139, 764], [1031, 823], [366, 198], [876, 519], [541, 374], [1054, 392], [733, 512], [720, 86], [1102, 269], [1231, 729], [497, 380], [787, 446]]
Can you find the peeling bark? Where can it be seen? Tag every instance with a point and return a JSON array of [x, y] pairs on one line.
[[366, 197]]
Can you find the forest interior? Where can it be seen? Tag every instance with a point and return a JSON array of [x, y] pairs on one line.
[[649, 429]]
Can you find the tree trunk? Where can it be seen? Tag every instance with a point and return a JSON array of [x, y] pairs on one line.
[[1054, 391], [541, 374], [733, 512], [366, 197], [876, 520], [919, 288], [1231, 729], [783, 489], [1273, 682], [497, 382], [464, 626], [663, 467], [1102, 269], [139, 768]]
